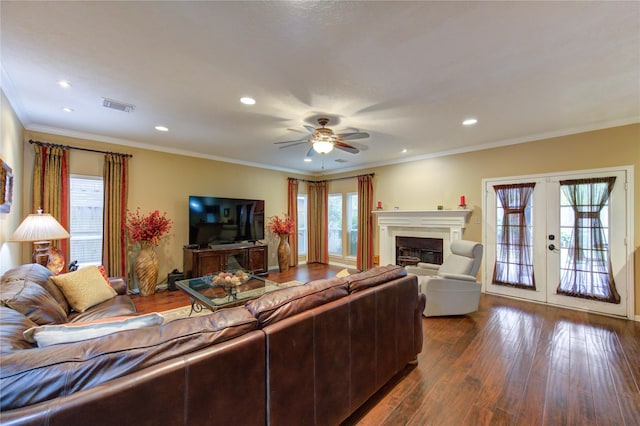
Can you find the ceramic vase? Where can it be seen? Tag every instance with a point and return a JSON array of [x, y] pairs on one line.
[[284, 253], [146, 267]]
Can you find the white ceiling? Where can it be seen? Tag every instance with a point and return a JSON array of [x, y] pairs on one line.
[[408, 73]]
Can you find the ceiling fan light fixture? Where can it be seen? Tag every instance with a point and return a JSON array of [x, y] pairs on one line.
[[322, 146]]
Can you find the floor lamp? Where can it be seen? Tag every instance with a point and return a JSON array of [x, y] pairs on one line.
[[40, 228]]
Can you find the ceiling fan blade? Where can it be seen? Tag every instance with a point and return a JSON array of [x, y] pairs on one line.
[[293, 144], [296, 130], [311, 152], [346, 147], [311, 129], [352, 136], [295, 141]]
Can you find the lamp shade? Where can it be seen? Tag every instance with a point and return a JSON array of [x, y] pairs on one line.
[[39, 227]]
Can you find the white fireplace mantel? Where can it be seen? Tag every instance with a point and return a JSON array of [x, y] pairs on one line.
[[445, 224]]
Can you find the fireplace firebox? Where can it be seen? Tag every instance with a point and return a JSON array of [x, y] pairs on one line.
[[411, 250]]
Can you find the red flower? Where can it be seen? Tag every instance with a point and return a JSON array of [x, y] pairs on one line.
[[148, 228], [280, 226]]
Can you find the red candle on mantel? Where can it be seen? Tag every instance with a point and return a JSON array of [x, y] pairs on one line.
[[379, 204], [462, 201]]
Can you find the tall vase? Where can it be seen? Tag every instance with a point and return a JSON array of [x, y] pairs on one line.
[[284, 253], [146, 267]]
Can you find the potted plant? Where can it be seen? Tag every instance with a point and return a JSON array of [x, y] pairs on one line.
[[282, 227], [147, 230]]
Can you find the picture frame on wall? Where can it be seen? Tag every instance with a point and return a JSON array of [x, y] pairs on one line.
[[6, 187]]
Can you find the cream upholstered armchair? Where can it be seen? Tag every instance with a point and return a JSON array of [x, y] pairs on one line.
[[451, 288]]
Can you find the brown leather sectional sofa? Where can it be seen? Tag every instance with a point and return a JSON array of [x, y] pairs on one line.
[[310, 354]]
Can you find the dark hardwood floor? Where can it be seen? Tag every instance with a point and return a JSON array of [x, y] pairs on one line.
[[510, 363]]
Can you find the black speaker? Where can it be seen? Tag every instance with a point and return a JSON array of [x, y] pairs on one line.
[[172, 277]]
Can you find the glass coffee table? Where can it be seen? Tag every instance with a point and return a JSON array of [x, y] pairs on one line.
[[225, 289]]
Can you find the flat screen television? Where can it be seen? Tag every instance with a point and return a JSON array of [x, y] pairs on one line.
[[215, 221]]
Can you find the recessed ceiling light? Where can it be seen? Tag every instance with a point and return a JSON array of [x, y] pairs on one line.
[[404, 151], [247, 100], [67, 109], [308, 160], [162, 128], [469, 122], [64, 84]]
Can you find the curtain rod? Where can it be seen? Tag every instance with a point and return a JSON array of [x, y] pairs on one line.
[[331, 180], [54, 145]]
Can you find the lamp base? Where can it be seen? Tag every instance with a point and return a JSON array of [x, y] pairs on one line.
[[48, 256]]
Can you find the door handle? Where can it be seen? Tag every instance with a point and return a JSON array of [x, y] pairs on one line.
[[552, 247]]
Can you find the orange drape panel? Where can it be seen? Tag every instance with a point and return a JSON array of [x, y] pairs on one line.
[[114, 249], [365, 223], [292, 210], [51, 188], [318, 221]]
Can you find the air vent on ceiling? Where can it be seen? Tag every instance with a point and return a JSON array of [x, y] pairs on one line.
[[119, 106], [341, 160]]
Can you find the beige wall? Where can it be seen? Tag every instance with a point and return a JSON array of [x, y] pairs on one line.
[[11, 153], [161, 181]]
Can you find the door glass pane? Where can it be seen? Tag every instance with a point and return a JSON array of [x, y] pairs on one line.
[[584, 229], [335, 224], [514, 236]]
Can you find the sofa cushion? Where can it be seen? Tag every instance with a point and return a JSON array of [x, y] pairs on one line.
[[84, 288], [277, 305], [38, 274], [40, 374], [116, 307], [374, 276], [47, 335], [13, 324], [33, 301]]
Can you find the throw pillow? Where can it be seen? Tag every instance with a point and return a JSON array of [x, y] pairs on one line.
[[103, 273], [48, 335], [84, 288], [343, 273]]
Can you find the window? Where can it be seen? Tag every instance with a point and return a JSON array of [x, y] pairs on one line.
[[302, 224], [85, 219], [352, 224], [335, 224], [343, 224]]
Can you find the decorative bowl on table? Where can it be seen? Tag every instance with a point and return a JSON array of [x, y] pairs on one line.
[[229, 281]]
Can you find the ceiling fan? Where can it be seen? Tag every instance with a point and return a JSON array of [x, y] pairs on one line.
[[323, 140]]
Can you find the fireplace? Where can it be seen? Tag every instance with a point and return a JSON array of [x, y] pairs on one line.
[[411, 250], [445, 225]]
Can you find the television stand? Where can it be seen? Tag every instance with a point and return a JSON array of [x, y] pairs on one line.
[[252, 258]]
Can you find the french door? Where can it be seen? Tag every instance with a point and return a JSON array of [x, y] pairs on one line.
[[560, 239]]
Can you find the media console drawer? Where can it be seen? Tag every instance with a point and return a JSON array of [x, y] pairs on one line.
[[199, 262]]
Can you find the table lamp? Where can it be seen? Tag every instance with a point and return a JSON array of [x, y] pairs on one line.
[[40, 228]]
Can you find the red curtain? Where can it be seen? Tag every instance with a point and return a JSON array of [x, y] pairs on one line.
[[51, 188], [318, 221], [365, 222], [292, 210]]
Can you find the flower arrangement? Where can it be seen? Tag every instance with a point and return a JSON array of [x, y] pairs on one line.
[[226, 279], [281, 226], [147, 228]]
